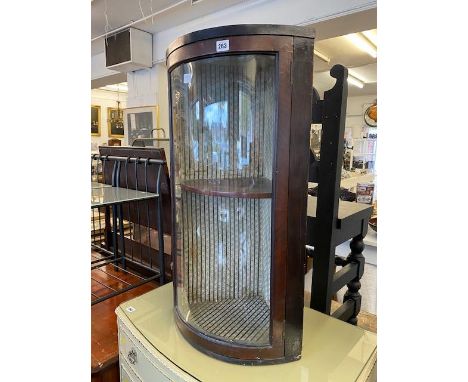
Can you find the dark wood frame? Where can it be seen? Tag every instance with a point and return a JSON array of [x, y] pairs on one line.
[[109, 123], [293, 48], [98, 133]]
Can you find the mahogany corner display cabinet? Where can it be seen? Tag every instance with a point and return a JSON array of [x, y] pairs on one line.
[[240, 104]]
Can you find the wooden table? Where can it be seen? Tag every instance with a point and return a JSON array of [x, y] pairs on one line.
[[107, 196], [104, 343]]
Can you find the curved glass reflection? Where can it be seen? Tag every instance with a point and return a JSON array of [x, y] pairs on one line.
[[224, 120]]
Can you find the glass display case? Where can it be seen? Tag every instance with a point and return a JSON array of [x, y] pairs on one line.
[[240, 115]]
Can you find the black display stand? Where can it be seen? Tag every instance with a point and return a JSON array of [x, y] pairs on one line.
[[332, 222]]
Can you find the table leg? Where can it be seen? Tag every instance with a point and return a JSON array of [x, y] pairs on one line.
[[114, 231], [107, 228], [121, 232], [162, 265]]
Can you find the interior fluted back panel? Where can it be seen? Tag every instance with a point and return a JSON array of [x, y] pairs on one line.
[[226, 247]]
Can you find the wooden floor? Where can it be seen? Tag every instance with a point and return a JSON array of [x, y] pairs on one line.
[[104, 340], [109, 278]]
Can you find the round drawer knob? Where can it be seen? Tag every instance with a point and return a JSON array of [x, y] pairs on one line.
[[132, 357]]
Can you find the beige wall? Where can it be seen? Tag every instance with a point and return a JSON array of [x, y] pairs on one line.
[[105, 99], [149, 88], [354, 114]]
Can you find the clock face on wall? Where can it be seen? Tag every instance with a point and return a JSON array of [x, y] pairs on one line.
[[370, 115]]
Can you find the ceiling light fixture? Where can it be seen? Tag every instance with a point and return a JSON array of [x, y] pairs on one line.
[[122, 87], [116, 117], [351, 72], [371, 35], [355, 82], [322, 56], [362, 43]]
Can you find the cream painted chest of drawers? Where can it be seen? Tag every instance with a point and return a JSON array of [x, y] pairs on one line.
[[152, 350]]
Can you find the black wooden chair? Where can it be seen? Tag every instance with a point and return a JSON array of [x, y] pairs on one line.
[[331, 221]]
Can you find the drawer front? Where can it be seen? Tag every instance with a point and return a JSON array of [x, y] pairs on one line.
[[131, 350], [161, 366], [125, 374]]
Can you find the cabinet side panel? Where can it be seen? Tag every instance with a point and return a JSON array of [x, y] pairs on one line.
[[301, 118]]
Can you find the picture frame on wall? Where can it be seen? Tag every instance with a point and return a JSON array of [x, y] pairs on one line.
[[141, 124], [96, 120], [113, 115]]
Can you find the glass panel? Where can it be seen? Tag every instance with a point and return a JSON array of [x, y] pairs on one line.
[[104, 196], [224, 120]]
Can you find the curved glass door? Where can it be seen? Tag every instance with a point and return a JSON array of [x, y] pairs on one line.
[[224, 121]]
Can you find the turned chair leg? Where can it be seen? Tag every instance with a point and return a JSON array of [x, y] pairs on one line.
[[356, 256]]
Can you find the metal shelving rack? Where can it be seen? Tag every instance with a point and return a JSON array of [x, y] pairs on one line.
[[120, 261]]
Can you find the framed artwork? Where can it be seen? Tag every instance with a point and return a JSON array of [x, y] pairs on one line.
[[114, 128], [95, 120], [370, 114], [141, 124]]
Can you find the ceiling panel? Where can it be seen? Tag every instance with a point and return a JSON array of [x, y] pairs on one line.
[[122, 12], [352, 23]]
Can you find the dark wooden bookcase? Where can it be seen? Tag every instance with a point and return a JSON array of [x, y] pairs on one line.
[[240, 99]]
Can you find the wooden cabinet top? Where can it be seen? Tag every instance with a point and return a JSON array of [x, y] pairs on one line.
[[332, 349]]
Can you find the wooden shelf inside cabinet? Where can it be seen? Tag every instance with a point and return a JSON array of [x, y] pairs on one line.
[[352, 219], [252, 188]]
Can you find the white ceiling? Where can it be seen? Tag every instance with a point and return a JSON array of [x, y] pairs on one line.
[[121, 87], [172, 12], [341, 51], [175, 12], [338, 49], [121, 12]]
